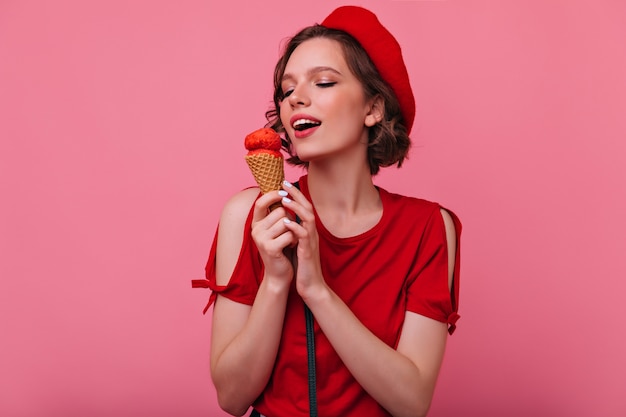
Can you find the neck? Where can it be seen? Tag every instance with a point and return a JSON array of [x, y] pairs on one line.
[[337, 188]]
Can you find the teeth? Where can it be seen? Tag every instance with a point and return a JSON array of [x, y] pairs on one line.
[[300, 122]]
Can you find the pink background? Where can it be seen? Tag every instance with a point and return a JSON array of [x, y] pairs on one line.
[[122, 125]]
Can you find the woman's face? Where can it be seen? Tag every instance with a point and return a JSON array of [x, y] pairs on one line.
[[324, 110]]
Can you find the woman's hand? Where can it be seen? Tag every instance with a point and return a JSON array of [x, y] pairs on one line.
[[272, 236], [244, 338], [309, 278]]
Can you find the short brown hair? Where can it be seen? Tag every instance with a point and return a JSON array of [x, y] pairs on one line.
[[388, 140]]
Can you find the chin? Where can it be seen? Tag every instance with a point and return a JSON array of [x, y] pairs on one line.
[[307, 157]]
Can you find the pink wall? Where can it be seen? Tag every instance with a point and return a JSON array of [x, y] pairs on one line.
[[122, 125]]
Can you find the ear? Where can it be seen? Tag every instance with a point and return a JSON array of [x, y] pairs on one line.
[[375, 112]]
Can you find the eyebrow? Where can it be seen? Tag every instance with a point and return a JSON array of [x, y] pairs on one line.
[[312, 71]]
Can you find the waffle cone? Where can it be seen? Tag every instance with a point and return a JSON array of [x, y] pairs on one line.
[[268, 171]]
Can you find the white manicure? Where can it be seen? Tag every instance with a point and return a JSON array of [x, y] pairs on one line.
[[282, 193]]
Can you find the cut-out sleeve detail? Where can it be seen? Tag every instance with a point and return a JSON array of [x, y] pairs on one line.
[[454, 293], [429, 293], [244, 281]]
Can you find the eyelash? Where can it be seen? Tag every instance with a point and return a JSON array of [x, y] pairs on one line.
[[327, 84]]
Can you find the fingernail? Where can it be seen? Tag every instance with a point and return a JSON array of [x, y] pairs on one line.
[[286, 220], [286, 200], [283, 193], [287, 184]]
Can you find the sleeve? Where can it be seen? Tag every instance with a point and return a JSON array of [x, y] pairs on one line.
[[428, 293], [244, 281]]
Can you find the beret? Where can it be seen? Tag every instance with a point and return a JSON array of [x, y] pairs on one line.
[[382, 48]]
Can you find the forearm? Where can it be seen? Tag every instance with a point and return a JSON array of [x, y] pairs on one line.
[[241, 370], [390, 377]]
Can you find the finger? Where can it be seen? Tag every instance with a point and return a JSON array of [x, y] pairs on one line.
[[273, 240], [302, 210], [300, 234], [288, 213], [274, 247], [297, 195], [271, 226], [263, 203], [285, 240], [277, 228], [261, 226]]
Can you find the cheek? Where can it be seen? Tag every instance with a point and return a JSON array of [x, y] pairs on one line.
[[344, 105], [350, 112]]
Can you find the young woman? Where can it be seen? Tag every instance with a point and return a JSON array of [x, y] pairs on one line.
[[378, 271]]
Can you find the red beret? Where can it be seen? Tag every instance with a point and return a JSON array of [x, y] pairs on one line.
[[382, 48]]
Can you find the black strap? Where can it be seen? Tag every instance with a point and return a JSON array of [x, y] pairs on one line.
[[310, 349]]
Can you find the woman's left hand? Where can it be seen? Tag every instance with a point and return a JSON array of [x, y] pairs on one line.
[[309, 278]]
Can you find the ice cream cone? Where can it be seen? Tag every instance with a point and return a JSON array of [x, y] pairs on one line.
[[265, 160], [267, 170]]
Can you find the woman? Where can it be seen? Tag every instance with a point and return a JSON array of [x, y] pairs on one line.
[[378, 271]]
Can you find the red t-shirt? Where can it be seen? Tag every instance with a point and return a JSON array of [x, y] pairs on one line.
[[399, 265]]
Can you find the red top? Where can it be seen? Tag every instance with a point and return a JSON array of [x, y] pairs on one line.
[[400, 264]]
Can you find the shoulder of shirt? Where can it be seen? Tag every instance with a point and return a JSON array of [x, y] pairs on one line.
[[411, 203]]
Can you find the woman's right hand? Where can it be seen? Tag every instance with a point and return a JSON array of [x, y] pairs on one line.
[[272, 238], [245, 338]]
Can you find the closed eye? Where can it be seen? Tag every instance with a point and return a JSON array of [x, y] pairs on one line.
[[326, 84]]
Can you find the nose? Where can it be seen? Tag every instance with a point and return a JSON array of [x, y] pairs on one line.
[[299, 97]]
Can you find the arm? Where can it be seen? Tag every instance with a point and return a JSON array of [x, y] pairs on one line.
[[244, 338], [401, 380]]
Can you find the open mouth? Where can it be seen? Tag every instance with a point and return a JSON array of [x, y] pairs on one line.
[[304, 124]]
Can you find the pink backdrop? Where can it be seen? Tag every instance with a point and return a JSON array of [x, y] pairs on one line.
[[122, 125]]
